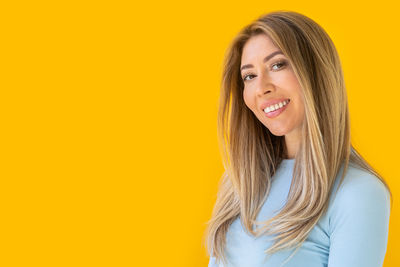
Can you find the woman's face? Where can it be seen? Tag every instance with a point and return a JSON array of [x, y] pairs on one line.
[[269, 80]]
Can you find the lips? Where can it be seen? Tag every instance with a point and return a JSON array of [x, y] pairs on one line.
[[275, 113], [272, 102]]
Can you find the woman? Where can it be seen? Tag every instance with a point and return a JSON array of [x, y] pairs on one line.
[[295, 191]]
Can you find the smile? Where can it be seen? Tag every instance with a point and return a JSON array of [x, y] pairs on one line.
[[275, 110]]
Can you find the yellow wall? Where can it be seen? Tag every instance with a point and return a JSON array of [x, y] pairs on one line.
[[108, 116]]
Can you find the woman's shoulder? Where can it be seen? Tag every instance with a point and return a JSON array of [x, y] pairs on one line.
[[361, 194], [358, 216], [357, 183]]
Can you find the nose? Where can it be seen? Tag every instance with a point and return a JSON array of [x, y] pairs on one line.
[[264, 85]]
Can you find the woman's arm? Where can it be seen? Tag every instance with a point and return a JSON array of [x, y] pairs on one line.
[[359, 224]]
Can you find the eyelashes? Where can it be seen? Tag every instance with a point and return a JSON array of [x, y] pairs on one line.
[[282, 63], [274, 67]]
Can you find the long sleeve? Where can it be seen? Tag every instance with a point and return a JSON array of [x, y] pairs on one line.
[[359, 224]]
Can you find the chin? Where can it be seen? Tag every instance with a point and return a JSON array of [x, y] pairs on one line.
[[277, 132]]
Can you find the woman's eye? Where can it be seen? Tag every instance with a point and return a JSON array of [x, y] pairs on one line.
[[278, 65], [246, 76], [275, 67]]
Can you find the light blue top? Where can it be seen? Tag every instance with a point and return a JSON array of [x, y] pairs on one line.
[[352, 233]]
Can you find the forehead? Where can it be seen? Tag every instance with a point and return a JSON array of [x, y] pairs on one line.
[[258, 46]]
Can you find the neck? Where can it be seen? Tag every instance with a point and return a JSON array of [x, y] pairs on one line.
[[292, 142]]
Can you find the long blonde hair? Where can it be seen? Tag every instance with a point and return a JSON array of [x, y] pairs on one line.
[[251, 154]]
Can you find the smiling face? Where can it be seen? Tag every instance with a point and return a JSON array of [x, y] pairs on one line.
[[268, 79]]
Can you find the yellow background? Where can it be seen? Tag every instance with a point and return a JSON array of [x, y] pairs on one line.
[[108, 116]]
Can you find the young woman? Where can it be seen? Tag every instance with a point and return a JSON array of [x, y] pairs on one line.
[[295, 192]]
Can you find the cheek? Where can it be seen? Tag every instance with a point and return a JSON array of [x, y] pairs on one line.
[[299, 110], [295, 91], [289, 80], [249, 100]]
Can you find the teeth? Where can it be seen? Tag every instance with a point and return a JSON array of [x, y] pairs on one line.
[[276, 106]]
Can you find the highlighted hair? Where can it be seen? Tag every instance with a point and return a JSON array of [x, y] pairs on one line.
[[251, 154]]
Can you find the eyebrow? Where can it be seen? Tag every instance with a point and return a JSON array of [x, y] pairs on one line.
[[247, 66]]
